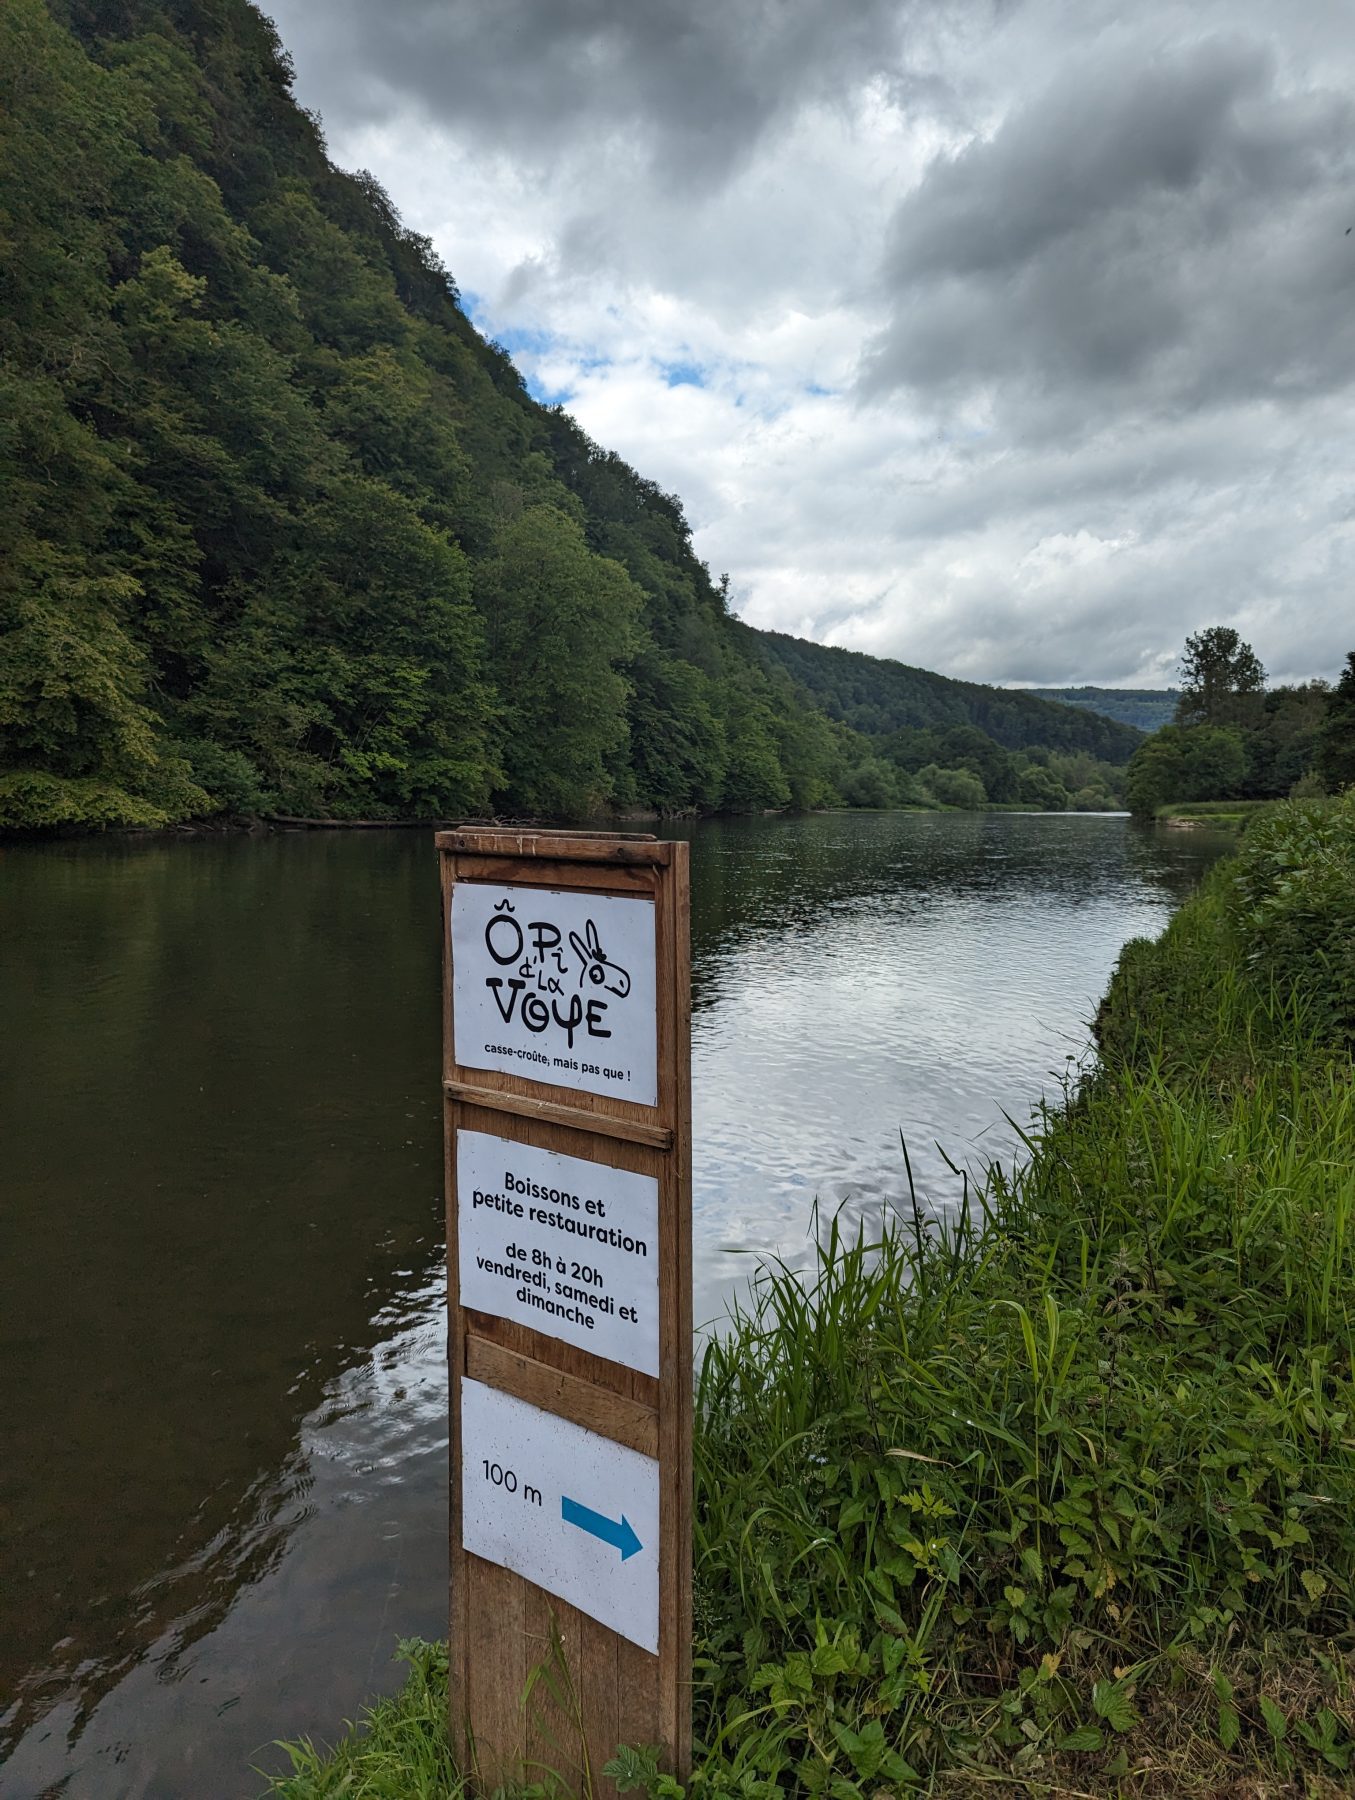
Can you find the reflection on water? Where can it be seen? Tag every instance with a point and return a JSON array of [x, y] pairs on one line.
[[222, 1489]]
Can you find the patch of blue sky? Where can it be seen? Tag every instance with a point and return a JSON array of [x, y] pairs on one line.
[[682, 374], [523, 340]]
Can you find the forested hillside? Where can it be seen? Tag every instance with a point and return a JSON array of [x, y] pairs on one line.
[[877, 696], [282, 533], [1147, 709]]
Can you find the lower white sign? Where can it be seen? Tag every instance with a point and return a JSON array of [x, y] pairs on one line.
[[566, 1247], [563, 1507]]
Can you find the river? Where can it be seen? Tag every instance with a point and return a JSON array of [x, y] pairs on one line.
[[222, 1375]]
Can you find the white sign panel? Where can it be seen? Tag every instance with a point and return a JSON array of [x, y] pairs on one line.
[[556, 986], [563, 1246], [572, 1511]]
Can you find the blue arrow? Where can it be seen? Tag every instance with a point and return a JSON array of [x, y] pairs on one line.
[[621, 1536]]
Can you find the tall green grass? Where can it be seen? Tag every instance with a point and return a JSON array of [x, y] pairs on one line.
[[1062, 1495]]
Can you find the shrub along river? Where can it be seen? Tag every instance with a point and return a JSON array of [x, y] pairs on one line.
[[222, 1378]]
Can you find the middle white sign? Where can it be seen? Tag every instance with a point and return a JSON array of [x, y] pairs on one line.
[[566, 1247]]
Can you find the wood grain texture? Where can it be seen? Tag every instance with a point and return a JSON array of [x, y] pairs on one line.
[[615, 851], [590, 1689], [596, 1408], [553, 1112], [623, 879]]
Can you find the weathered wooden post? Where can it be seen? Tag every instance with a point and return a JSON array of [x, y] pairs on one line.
[[566, 1071]]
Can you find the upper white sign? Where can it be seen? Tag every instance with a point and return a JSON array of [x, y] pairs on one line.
[[556, 986], [574, 1512]]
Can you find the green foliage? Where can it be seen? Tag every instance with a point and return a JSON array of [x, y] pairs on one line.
[[1335, 753], [1293, 906], [401, 1749], [1199, 762], [1281, 740], [677, 739], [952, 787], [1220, 676], [871, 783], [1046, 1453], [1041, 788], [559, 621], [754, 778]]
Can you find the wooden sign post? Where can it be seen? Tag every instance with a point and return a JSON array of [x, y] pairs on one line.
[[566, 1070]]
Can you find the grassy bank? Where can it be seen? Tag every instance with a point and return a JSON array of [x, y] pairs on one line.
[[1220, 815], [1064, 1499]]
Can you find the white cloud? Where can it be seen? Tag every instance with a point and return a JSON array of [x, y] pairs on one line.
[[1014, 340]]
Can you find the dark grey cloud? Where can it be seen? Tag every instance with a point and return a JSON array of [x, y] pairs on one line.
[[1155, 231], [689, 85]]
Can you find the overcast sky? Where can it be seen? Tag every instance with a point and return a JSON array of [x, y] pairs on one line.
[[1014, 338]]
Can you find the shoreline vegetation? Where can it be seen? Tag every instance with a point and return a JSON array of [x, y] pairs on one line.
[[1058, 1497], [256, 825]]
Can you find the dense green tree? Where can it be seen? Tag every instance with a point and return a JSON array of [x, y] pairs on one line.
[[1202, 762], [754, 778], [1039, 787], [561, 625], [1221, 676], [677, 741], [1281, 738], [966, 747], [1335, 750], [872, 783], [952, 787]]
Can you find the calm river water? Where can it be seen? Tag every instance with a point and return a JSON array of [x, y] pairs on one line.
[[222, 1381]]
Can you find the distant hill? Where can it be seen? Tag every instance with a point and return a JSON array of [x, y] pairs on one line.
[[877, 697], [1149, 709]]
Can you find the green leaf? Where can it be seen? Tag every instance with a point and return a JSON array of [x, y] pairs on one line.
[[1276, 1723], [1086, 1737], [1112, 1704]]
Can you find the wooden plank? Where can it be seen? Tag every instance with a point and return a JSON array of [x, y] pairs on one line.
[[459, 1597], [499, 828], [595, 1408], [599, 1679], [638, 1709], [637, 880], [554, 1721], [567, 1359], [675, 1322], [616, 853], [498, 1602], [555, 1112]]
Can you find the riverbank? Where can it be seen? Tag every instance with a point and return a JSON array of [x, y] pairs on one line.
[[1214, 815], [1066, 1498]]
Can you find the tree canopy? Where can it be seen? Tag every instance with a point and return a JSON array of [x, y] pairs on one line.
[[1219, 673]]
